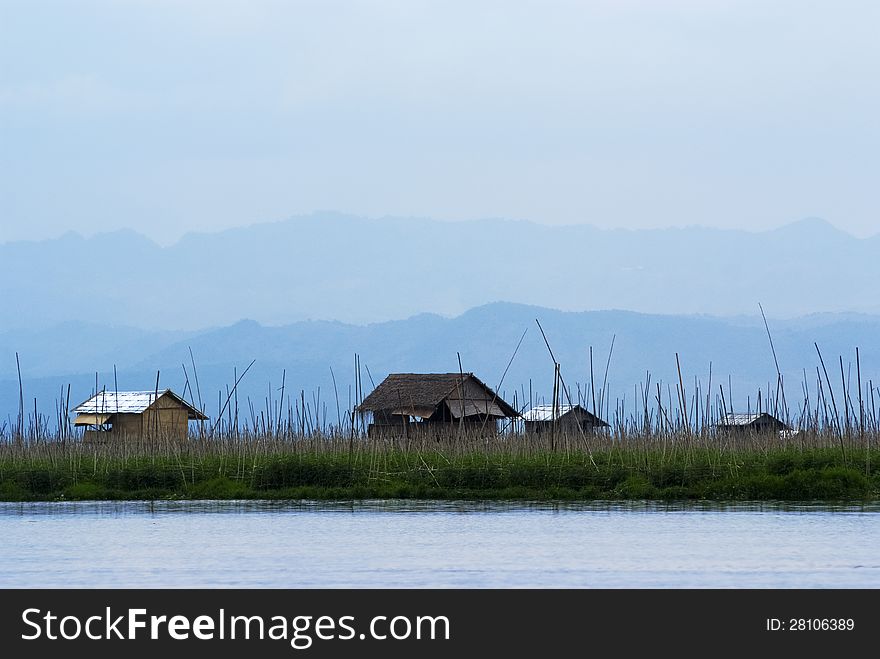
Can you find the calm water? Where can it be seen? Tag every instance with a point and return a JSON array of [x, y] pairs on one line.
[[390, 544]]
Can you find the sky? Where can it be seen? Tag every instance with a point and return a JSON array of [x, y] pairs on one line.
[[197, 115]]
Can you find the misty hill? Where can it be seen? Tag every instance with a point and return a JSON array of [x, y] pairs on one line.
[[485, 337], [365, 270]]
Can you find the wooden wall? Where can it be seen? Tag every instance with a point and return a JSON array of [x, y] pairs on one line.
[[164, 419]]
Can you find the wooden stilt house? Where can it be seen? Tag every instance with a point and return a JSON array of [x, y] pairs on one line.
[[566, 418], [111, 415], [435, 403], [751, 423]]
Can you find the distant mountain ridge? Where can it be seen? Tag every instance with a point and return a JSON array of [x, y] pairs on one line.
[[329, 265]]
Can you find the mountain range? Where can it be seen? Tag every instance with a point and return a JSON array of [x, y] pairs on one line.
[[359, 270]]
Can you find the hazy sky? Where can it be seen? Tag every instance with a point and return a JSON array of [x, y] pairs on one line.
[[170, 116]]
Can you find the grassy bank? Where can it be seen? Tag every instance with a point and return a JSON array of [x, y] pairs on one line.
[[642, 470]]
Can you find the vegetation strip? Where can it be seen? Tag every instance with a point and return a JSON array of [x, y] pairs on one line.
[[677, 469]]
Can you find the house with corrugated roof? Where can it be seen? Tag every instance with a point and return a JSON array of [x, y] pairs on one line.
[[111, 415], [745, 423], [566, 418], [433, 402]]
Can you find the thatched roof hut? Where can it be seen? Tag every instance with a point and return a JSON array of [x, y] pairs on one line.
[[433, 398]]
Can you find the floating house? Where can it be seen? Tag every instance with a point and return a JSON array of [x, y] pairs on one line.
[[754, 423], [567, 418], [111, 415], [433, 403]]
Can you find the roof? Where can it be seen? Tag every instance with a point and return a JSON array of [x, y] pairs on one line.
[[130, 402], [743, 420], [420, 394], [545, 413]]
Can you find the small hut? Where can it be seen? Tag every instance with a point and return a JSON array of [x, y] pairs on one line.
[[433, 403], [751, 423], [567, 418], [112, 415]]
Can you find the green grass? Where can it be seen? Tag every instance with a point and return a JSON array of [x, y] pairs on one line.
[[619, 472]]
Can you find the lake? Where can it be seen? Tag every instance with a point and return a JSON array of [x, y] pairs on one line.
[[438, 544]]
